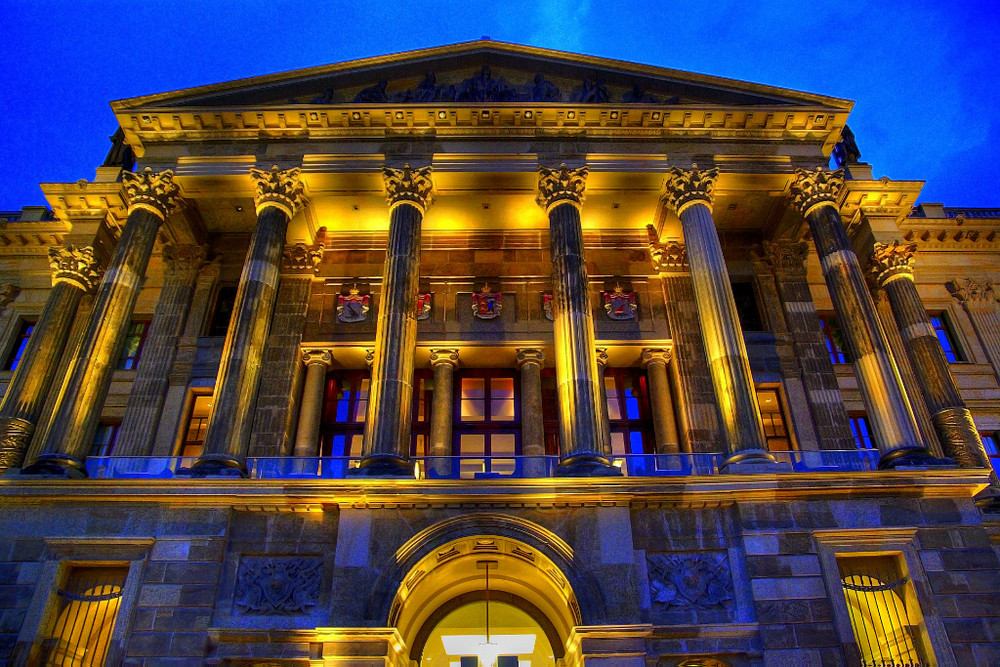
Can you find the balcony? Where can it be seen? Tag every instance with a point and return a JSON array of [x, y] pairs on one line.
[[477, 468]]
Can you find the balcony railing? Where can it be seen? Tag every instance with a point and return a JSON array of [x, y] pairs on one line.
[[475, 468]]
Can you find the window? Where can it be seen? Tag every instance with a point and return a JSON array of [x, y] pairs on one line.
[[947, 338], [746, 306], [20, 343], [835, 342], [487, 422], [629, 414], [197, 424], [84, 613], [345, 405], [550, 411], [772, 415], [135, 338], [991, 441], [224, 303], [423, 399], [862, 434], [105, 439], [885, 616]]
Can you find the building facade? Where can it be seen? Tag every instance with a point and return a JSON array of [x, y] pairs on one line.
[[489, 354]]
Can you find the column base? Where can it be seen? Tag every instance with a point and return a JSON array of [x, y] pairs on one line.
[[382, 466], [912, 457], [587, 465], [752, 461], [56, 465], [215, 466]]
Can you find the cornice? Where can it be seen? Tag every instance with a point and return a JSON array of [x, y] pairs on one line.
[[883, 198]]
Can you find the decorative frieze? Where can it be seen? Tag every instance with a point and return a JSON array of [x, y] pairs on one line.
[[155, 192], [301, 258], [410, 186], [561, 186], [278, 586], [279, 188], [810, 189], [686, 187], [894, 260]]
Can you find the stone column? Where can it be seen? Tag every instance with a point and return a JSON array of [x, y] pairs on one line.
[[151, 198], [279, 196], [691, 194], [74, 273], [664, 423], [981, 300], [584, 437], [893, 271], [443, 361], [387, 425], [149, 390], [317, 363], [529, 362], [814, 195], [601, 356]]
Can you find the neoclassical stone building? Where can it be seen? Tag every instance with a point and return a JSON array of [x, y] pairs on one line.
[[488, 353]]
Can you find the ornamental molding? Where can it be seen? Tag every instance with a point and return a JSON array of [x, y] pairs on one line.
[[683, 188], [408, 186], [319, 356], [184, 257], [561, 185], [971, 292], [785, 256], [890, 261], [301, 258], [14, 440], [279, 188], [444, 356], [813, 188], [8, 293], [278, 586], [667, 256], [155, 192], [76, 266]]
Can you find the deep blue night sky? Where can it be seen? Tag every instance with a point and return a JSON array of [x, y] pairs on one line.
[[923, 75]]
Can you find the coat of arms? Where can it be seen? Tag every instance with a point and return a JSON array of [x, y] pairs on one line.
[[423, 306], [486, 303], [353, 306], [547, 307], [620, 304]]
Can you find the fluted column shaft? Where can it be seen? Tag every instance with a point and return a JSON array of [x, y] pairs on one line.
[[981, 300], [889, 411], [387, 425], [22, 403], [664, 421], [443, 363], [317, 362], [89, 375]]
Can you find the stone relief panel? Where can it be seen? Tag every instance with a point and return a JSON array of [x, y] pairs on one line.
[[690, 587], [269, 585]]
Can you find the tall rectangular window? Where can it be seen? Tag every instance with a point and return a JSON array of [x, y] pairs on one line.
[[20, 343], [223, 312], [946, 337], [629, 414], [197, 424], [834, 337], [135, 338], [862, 434], [487, 422], [772, 414], [345, 406], [84, 613]]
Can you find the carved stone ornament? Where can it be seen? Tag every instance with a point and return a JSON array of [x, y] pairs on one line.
[[810, 189], [690, 580], [155, 192], [408, 186], [550, 314], [686, 187], [620, 304], [274, 586], [786, 257], [892, 260], [602, 356], [486, 303], [75, 265], [8, 293], [319, 356], [527, 355], [561, 185], [353, 306], [656, 355], [184, 258], [669, 256], [444, 356], [972, 292], [280, 188], [15, 436], [301, 258], [423, 306]]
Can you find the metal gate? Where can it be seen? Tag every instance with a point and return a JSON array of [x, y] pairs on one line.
[[85, 614]]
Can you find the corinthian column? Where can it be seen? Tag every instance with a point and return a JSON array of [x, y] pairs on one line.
[[691, 194], [279, 196], [814, 194], [981, 300], [74, 272], [584, 437], [151, 198], [317, 362], [387, 424]]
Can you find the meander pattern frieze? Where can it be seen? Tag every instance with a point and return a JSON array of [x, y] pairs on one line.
[[561, 185], [154, 191], [685, 187], [75, 265], [409, 186], [278, 187]]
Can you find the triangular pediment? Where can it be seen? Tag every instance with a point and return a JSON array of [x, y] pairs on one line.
[[482, 72]]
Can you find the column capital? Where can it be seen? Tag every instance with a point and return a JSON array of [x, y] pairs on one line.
[[408, 186], [971, 292], [656, 355], [530, 355], [685, 187], [75, 265], [8, 293], [184, 257], [785, 256], [811, 189], [155, 192], [317, 356], [444, 356], [561, 185], [282, 189], [890, 261], [370, 357], [602, 356], [301, 258], [668, 256]]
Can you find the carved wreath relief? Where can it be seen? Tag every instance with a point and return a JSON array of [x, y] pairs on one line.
[[277, 586], [690, 581]]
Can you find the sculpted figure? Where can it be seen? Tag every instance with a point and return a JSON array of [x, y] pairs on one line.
[[121, 154], [543, 91], [325, 98], [374, 93], [639, 95]]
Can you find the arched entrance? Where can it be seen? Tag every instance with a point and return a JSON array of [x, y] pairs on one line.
[[443, 594]]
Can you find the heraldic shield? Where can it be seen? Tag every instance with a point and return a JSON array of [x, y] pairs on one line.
[[486, 303], [620, 304]]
